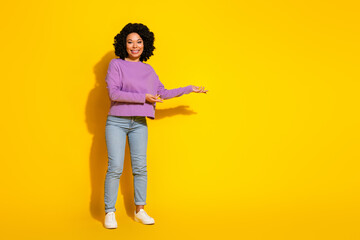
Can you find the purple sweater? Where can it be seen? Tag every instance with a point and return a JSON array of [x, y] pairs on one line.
[[128, 82]]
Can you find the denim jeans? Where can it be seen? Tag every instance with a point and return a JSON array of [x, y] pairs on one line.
[[116, 130]]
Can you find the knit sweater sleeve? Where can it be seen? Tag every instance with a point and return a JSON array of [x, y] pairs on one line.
[[171, 93], [113, 81]]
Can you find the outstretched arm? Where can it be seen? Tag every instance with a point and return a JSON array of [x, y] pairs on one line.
[[171, 93]]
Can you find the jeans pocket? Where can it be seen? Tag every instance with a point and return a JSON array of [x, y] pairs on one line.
[[141, 120]]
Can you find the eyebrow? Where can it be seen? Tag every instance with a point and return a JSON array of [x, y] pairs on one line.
[[131, 39]]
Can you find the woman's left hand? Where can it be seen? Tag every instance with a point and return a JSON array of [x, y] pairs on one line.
[[199, 89]]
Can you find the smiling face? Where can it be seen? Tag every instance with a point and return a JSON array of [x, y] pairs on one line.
[[134, 47]]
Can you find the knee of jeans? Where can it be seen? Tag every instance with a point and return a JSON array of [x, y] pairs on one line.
[[115, 171], [139, 170]]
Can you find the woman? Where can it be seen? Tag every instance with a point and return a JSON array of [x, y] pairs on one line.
[[134, 89]]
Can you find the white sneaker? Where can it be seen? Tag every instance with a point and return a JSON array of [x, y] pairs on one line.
[[110, 221], [143, 217]]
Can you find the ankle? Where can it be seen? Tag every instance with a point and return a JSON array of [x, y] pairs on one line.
[[138, 207]]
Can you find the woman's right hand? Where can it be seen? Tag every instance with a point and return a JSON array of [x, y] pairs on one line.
[[153, 98]]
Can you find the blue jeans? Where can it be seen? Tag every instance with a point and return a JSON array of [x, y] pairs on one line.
[[116, 130]]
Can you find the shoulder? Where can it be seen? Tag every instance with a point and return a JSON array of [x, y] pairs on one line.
[[149, 67], [115, 61]]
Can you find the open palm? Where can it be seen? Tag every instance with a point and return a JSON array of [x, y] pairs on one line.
[[200, 89]]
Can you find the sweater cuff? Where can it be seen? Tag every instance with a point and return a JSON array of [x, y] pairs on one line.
[[188, 89]]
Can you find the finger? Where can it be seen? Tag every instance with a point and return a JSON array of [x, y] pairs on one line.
[[152, 99], [157, 100]]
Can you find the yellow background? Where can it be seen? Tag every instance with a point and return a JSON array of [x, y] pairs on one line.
[[271, 152]]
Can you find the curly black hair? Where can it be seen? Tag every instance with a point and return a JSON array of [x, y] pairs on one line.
[[145, 34]]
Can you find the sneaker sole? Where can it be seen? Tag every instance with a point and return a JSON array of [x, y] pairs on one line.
[[139, 221], [110, 227]]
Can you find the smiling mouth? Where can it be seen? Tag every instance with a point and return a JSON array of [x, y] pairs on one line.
[[135, 51]]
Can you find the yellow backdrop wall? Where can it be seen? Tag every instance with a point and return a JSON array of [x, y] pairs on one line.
[[270, 152]]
